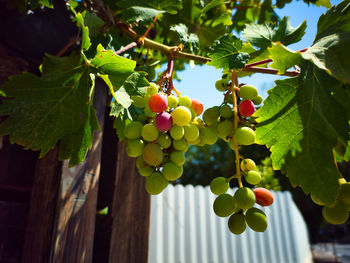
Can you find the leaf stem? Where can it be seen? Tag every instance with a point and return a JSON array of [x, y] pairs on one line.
[[271, 71], [234, 88]]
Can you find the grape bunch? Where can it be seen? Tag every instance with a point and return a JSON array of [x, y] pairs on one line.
[[160, 136], [338, 213]]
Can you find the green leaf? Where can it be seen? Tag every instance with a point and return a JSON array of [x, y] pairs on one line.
[[54, 107], [190, 41], [140, 14], [169, 6], [263, 35], [226, 53], [325, 3], [85, 40], [93, 22], [283, 58], [301, 123], [211, 5]]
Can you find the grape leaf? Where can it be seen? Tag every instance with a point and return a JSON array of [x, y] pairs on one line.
[[93, 22], [85, 39], [325, 3], [301, 123], [169, 6], [283, 58], [211, 4], [263, 35], [43, 110], [226, 53], [140, 14], [190, 41]]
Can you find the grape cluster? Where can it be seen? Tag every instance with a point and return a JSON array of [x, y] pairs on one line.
[[338, 213], [236, 129], [161, 135], [240, 206]]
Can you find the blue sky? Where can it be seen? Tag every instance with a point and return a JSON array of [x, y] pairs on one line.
[[199, 82]]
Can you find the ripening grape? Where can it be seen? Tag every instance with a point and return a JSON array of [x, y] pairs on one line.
[[133, 130], [197, 106], [181, 116], [219, 185], [152, 89], [263, 196], [226, 111], [180, 145], [336, 215], [245, 198], [246, 108], [253, 177], [225, 129], [149, 132], [153, 154], [256, 219], [172, 101], [146, 170], [245, 136], [177, 132], [211, 115], [178, 158], [257, 100], [191, 132], [224, 205], [164, 141], [248, 92], [209, 135], [155, 183], [158, 102], [344, 193], [237, 223], [247, 165], [185, 101], [139, 101], [221, 85], [164, 121], [140, 162], [134, 147], [171, 171]]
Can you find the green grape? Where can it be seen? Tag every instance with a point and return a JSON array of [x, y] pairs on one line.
[[224, 205], [133, 130], [180, 145], [211, 115], [247, 165], [195, 142], [193, 114], [177, 132], [219, 185], [146, 170], [245, 198], [256, 219], [237, 223], [257, 100], [155, 183], [231, 144], [248, 92], [344, 193], [225, 129], [135, 147], [140, 162], [181, 116], [209, 135], [185, 101], [152, 89], [336, 215], [253, 177], [245, 136], [171, 171], [172, 101], [178, 158], [229, 99], [150, 132], [221, 85], [164, 141], [139, 101], [153, 154], [191, 132], [316, 200], [226, 111], [148, 112]]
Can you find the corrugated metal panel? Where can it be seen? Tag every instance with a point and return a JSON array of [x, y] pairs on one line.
[[184, 229]]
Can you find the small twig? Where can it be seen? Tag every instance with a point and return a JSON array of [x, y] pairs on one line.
[[70, 43], [127, 47], [271, 71], [147, 31]]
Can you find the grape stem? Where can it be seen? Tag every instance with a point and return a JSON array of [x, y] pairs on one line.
[[234, 88]]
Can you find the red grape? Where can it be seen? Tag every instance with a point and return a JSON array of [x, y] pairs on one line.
[[158, 102], [263, 196], [246, 108], [164, 121], [197, 106]]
